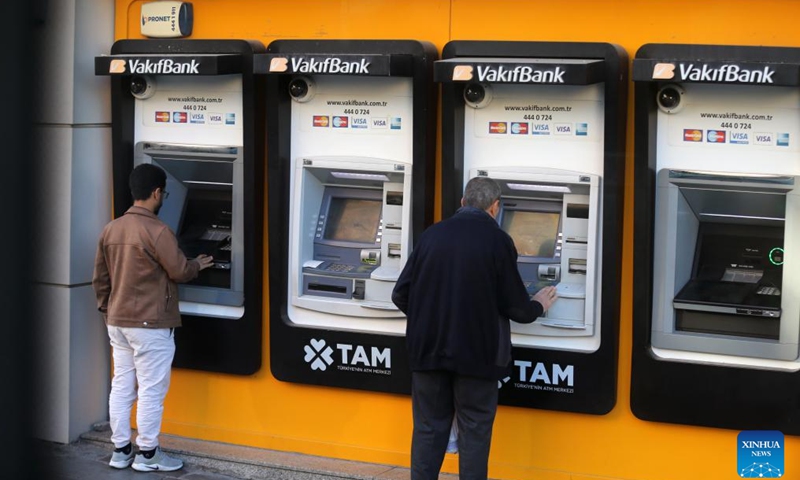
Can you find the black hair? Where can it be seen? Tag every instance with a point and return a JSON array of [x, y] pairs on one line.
[[144, 179], [481, 192]]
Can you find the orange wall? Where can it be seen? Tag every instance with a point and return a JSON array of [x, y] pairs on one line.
[[528, 444]]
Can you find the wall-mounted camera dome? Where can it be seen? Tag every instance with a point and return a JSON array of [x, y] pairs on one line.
[[670, 98], [478, 95], [142, 86], [302, 89]]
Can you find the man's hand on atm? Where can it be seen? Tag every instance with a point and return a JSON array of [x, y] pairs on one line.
[[205, 261], [546, 296]]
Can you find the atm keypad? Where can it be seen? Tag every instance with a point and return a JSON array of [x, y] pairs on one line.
[[340, 268]]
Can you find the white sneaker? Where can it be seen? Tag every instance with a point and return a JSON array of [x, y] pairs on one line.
[[160, 462], [121, 459]]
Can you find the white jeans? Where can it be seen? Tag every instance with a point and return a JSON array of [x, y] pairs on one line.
[[143, 356]]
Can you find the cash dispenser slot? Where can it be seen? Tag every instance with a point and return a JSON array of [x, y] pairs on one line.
[[204, 210]]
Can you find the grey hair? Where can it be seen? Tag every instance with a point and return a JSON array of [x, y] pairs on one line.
[[481, 192]]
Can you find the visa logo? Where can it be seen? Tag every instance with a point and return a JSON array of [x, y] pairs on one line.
[[563, 128], [740, 137], [215, 119], [358, 122], [540, 129], [197, 118], [763, 139], [380, 123]]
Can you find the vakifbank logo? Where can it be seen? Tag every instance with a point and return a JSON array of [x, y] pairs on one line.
[[462, 73], [117, 66], [279, 64], [663, 71], [760, 454]]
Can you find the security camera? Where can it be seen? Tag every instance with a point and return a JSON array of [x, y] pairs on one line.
[[477, 95], [143, 87], [670, 98], [302, 89]]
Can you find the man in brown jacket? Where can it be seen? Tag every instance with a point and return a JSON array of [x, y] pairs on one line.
[[137, 266]]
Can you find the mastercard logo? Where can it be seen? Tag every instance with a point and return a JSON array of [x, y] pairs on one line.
[[321, 121], [497, 127], [162, 117], [692, 135]]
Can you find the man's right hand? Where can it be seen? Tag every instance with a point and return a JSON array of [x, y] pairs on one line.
[[546, 297], [205, 261]]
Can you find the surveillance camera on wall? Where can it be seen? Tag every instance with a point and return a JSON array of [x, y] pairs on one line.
[[143, 86], [302, 89], [670, 98], [477, 95]]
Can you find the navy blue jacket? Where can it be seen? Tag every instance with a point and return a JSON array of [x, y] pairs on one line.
[[459, 289]]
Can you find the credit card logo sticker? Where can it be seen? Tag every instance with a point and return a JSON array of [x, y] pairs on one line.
[[397, 123], [540, 129], [518, 128], [359, 122], [762, 139], [783, 139], [497, 127], [320, 121], [740, 138], [230, 119], [582, 129], [563, 128], [179, 117], [692, 135], [215, 119], [380, 123], [197, 118], [715, 136], [340, 122], [162, 117]]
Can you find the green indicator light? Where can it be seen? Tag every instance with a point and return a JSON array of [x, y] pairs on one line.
[[776, 256]]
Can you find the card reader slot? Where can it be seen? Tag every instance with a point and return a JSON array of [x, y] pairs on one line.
[[321, 287]]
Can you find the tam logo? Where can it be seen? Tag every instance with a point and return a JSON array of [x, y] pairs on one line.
[[319, 356]]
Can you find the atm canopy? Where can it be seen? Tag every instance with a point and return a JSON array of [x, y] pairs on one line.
[[736, 65], [552, 71]]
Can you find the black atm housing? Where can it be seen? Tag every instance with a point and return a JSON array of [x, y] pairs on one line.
[[693, 393], [601, 62], [204, 343], [404, 58]]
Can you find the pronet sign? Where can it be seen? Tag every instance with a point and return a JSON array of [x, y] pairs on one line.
[[507, 74], [727, 73]]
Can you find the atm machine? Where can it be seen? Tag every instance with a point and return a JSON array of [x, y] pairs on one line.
[[547, 122], [351, 166], [193, 108], [716, 304]]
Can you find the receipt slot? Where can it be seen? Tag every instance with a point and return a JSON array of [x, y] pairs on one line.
[[547, 122], [194, 109], [351, 156], [717, 219]]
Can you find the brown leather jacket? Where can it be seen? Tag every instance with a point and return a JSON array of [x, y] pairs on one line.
[[137, 266]]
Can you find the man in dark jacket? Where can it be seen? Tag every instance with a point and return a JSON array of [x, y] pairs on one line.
[[459, 289], [136, 268]]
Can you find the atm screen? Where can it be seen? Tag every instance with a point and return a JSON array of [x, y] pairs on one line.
[[353, 220], [534, 233]]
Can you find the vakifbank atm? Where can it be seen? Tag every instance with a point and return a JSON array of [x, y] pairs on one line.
[[717, 230], [351, 167], [547, 122], [194, 109]]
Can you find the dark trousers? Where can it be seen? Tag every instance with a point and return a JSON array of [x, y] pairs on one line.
[[435, 397]]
